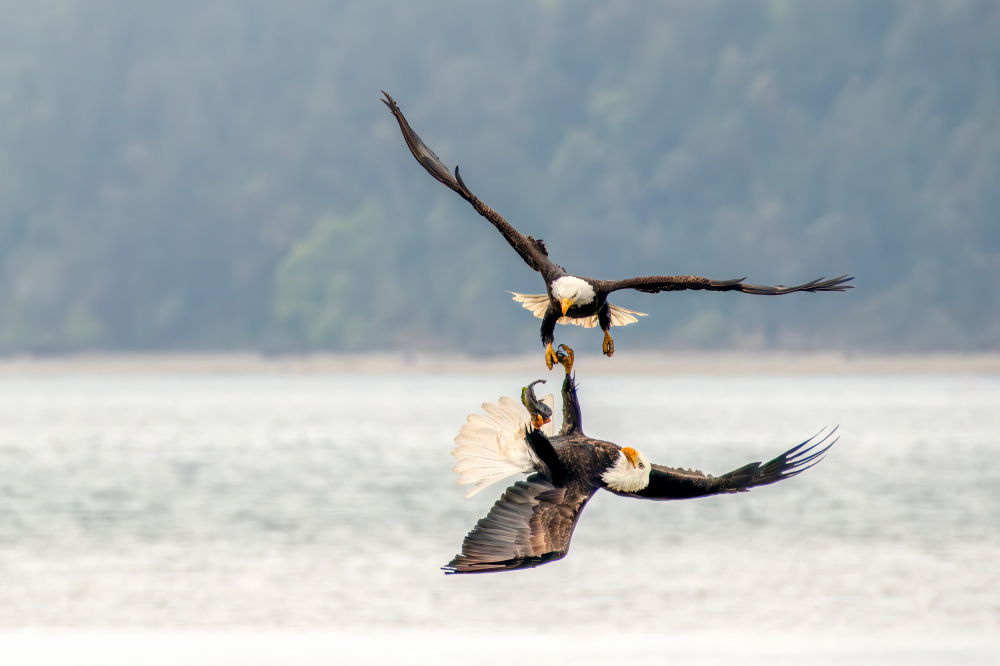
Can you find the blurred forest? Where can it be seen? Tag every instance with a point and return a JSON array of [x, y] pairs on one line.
[[220, 174]]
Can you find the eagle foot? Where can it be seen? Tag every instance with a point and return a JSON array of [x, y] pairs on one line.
[[609, 345], [539, 411], [550, 356], [565, 357]]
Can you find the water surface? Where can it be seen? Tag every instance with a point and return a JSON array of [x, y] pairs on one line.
[[276, 504]]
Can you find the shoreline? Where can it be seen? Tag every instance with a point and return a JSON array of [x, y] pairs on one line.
[[624, 363]]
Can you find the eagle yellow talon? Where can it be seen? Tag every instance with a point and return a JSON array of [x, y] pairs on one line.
[[609, 344], [537, 420], [550, 356], [565, 357], [539, 411]]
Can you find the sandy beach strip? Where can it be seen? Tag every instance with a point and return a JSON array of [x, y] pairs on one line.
[[623, 363]]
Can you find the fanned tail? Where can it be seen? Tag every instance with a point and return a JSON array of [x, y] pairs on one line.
[[491, 447], [621, 316], [536, 304]]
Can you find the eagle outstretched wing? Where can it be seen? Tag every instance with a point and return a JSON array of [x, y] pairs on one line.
[[532, 251], [668, 483], [657, 283], [531, 524]]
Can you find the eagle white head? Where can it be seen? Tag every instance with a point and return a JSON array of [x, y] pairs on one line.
[[630, 472], [569, 291]]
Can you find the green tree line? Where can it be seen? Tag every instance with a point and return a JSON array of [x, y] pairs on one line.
[[221, 175]]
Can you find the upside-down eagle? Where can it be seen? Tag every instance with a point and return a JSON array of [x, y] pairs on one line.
[[533, 521], [575, 299]]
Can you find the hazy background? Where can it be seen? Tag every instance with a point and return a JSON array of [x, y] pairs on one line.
[[221, 175]]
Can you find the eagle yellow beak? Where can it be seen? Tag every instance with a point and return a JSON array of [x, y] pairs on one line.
[[631, 454], [566, 303]]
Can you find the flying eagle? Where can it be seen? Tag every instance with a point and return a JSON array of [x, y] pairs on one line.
[[532, 522], [575, 299]]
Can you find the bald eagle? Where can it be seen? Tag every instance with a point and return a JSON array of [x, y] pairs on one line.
[[574, 299], [533, 521]]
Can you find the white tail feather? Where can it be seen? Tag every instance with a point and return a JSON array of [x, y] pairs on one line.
[[492, 447], [538, 303], [621, 316]]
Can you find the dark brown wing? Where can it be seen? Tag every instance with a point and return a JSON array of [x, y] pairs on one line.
[[667, 483], [658, 283], [531, 524], [532, 251]]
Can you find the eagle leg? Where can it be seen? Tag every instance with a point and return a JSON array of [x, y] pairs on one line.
[[550, 356], [565, 357], [609, 345]]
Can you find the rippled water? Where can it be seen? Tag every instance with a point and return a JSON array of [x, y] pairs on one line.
[[327, 505]]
